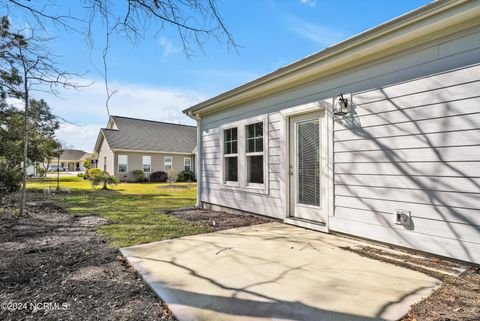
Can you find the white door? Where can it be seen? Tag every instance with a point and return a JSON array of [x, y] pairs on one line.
[[307, 166]]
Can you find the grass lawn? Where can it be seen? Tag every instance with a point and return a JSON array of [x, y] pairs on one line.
[[132, 208]]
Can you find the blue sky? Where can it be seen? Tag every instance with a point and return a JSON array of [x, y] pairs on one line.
[[154, 79]]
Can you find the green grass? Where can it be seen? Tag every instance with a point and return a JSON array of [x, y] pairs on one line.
[[132, 208]]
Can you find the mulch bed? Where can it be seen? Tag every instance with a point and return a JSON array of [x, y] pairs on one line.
[[218, 220], [457, 299], [56, 267]]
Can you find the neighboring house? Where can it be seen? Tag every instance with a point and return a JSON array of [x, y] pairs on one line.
[[129, 144], [71, 160], [401, 167]]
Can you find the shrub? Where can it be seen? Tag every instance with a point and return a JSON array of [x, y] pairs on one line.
[[159, 177], [10, 180], [104, 179], [80, 175], [186, 176], [93, 172], [139, 175]]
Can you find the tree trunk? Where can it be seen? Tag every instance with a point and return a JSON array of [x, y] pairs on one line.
[[25, 149]]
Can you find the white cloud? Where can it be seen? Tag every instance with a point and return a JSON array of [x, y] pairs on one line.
[[168, 47], [87, 108], [310, 3], [319, 34]]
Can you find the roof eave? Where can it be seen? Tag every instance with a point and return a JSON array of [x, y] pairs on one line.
[[367, 43]]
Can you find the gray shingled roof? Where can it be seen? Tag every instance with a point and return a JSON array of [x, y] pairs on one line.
[[148, 135], [72, 154]]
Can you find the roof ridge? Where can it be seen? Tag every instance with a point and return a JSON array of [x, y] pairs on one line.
[[153, 121]]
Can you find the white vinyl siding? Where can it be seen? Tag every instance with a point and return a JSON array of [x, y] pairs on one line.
[[419, 149]]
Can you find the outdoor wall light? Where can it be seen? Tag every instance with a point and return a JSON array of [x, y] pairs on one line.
[[341, 107]]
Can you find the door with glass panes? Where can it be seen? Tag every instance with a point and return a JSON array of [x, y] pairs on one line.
[[307, 166]]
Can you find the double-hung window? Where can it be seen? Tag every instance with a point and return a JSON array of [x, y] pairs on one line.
[[187, 164], [167, 163], [122, 163], [254, 153], [147, 164], [230, 154]]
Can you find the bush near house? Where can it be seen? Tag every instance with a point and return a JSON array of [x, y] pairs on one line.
[[186, 176], [139, 175], [158, 177]]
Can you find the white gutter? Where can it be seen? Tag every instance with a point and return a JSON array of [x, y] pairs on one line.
[[148, 151]]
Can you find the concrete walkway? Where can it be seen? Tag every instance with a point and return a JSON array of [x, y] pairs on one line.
[[275, 272]]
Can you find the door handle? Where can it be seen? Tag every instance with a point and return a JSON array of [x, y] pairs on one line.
[[290, 172]]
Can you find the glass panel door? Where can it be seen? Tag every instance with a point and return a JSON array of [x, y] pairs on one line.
[[308, 162]]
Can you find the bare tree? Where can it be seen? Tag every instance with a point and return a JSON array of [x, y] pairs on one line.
[[195, 22], [26, 65]]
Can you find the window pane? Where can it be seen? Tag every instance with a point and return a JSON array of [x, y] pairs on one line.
[[250, 131], [308, 162], [227, 136], [227, 148], [250, 145], [234, 147], [231, 166], [259, 144], [255, 169], [234, 133], [122, 163], [258, 129]]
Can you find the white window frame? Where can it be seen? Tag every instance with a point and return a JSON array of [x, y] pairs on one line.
[[222, 134], [165, 163], [242, 185], [185, 163], [149, 163], [118, 163], [262, 153]]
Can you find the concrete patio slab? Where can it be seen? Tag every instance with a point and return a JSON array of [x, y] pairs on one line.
[[275, 272]]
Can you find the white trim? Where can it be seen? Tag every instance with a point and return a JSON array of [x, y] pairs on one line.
[[143, 163], [118, 163], [296, 111], [241, 185], [150, 151], [184, 165], [165, 163]]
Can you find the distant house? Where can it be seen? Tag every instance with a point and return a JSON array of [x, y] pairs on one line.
[[71, 160], [377, 136], [129, 144]]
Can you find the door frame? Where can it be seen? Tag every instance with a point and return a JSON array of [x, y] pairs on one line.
[[327, 107]]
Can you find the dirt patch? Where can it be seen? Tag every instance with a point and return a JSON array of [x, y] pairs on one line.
[[218, 220], [56, 267], [457, 299]]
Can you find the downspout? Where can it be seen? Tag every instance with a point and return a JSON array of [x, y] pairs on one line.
[[198, 157]]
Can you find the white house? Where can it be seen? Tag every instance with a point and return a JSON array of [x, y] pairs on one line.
[[397, 159]]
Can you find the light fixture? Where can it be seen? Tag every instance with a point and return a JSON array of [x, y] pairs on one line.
[[341, 106]]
